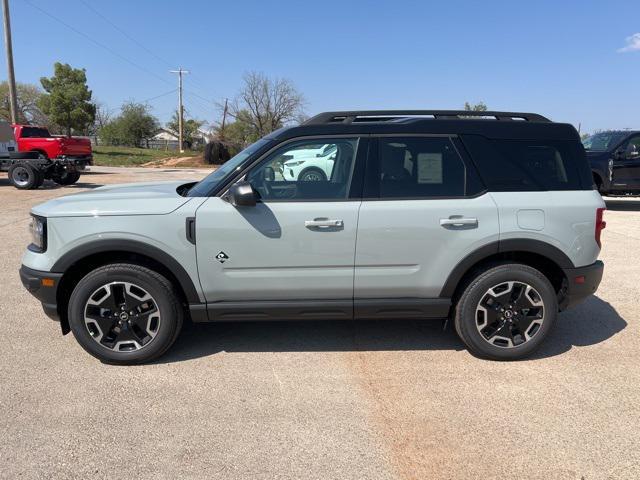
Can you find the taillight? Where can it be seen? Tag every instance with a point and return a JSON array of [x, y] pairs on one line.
[[600, 224]]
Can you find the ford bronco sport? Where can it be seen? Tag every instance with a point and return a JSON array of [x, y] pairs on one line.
[[490, 220]]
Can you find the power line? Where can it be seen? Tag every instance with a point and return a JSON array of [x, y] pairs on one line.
[[114, 25], [159, 96], [138, 43], [101, 45]]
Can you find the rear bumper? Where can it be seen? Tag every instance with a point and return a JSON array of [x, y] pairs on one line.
[[77, 161], [33, 282], [581, 282]]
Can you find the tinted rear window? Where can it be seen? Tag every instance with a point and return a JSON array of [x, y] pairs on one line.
[[529, 165], [35, 132]]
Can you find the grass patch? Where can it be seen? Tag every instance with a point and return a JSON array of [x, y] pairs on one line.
[[132, 157]]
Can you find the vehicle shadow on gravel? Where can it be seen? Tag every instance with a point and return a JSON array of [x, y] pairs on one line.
[[631, 205], [589, 323]]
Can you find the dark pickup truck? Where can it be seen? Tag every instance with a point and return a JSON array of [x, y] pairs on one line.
[[614, 157]]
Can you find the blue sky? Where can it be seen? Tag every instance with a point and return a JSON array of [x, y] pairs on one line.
[[558, 58]]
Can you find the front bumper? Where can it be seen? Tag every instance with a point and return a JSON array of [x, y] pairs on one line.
[[581, 282], [43, 286]]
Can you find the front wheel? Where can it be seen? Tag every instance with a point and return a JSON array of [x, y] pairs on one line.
[[312, 174], [506, 312], [125, 314], [24, 176]]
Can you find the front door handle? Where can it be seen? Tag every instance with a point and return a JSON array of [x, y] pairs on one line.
[[459, 221], [323, 223]]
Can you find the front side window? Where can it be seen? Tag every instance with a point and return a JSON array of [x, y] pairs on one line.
[[421, 167], [632, 149], [306, 170]]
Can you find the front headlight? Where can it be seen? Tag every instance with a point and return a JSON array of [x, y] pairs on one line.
[[38, 230]]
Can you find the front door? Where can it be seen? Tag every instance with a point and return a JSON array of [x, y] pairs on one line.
[[422, 213], [298, 242], [626, 168]]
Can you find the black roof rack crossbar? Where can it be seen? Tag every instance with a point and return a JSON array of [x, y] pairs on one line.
[[387, 115]]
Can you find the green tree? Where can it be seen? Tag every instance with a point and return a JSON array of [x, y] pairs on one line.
[[478, 107], [28, 97], [131, 127], [68, 98], [190, 127]]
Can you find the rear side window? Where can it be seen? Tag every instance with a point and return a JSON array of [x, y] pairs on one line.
[[529, 165], [35, 132], [419, 167]]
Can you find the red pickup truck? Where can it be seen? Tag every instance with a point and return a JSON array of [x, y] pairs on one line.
[[38, 139], [42, 156]]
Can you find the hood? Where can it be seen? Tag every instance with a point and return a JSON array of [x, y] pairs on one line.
[[125, 199]]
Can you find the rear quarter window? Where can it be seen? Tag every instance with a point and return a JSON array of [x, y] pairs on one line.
[[529, 165]]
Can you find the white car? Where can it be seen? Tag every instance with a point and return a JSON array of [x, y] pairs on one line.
[[310, 165]]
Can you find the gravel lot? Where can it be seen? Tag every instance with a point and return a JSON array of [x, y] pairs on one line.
[[322, 400]]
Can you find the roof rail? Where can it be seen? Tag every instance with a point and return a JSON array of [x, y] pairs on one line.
[[389, 115]]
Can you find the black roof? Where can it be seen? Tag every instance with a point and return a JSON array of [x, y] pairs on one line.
[[506, 125]]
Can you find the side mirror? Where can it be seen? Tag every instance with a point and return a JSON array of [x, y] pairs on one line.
[[242, 194], [619, 154]]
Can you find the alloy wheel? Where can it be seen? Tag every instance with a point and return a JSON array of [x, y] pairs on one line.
[[509, 314], [122, 316]]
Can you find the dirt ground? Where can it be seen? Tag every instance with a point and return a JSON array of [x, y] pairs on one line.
[[322, 400]]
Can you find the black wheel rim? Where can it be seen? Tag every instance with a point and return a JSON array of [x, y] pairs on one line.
[[510, 314], [20, 176], [122, 317], [312, 177]]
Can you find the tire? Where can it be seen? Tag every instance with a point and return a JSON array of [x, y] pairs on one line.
[[312, 174], [23, 176], [142, 331], [65, 178], [529, 308]]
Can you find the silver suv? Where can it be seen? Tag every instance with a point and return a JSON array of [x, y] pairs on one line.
[[491, 222]]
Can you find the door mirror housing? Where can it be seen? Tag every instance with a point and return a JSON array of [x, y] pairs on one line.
[[242, 194]]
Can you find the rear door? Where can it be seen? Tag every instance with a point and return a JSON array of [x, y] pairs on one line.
[[423, 211], [297, 243]]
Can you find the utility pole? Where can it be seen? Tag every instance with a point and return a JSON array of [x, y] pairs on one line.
[[224, 117], [13, 101], [180, 71]]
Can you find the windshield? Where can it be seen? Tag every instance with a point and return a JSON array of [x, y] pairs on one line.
[[209, 182], [603, 141]]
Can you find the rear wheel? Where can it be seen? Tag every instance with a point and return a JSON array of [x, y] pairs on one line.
[[24, 176], [506, 312], [125, 314], [65, 178]]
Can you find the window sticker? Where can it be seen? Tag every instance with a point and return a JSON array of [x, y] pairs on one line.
[[430, 168]]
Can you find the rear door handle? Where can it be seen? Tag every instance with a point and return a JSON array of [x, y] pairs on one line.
[[323, 223], [458, 221]]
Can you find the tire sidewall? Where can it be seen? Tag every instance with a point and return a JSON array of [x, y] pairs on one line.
[[169, 317], [466, 311]]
